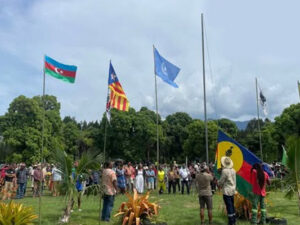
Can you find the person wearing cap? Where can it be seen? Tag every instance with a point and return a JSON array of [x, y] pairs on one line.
[[203, 180], [228, 184]]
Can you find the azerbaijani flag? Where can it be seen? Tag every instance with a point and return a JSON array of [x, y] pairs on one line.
[[60, 71], [242, 158]]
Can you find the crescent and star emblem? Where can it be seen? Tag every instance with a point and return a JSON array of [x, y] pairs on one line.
[[58, 70]]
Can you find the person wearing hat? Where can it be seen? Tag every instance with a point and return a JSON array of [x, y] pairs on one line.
[[203, 180], [228, 184]]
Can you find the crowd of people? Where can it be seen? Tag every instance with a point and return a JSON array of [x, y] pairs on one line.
[[119, 177], [165, 178], [15, 178], [126, 177]]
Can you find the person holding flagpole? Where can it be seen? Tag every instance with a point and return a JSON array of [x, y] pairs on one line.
[[259, 179]]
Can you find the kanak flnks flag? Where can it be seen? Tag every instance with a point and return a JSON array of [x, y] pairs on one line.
[[117, 97], [60, 71], [243, 161], [164, 69]]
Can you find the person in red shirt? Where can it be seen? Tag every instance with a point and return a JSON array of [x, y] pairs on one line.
[[259, 180], [2, 177]]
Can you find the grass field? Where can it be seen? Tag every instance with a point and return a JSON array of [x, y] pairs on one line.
[[175, 209]]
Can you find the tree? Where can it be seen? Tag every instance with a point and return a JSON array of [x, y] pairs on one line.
[[22, 127], [88, 161], [71, 134], [145, 135], [228, 127], [292, 179], [194, 145], [250, 136], [288, 123], [176, 128]]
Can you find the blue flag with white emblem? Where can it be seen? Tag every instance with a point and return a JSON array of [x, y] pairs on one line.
[[164, 69]]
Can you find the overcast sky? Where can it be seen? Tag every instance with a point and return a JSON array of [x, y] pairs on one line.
[[244, 40]]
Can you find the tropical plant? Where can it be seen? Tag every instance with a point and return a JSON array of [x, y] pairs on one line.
[[70, 176], [136, 208], [16, 214], [242, 206], [291, 181]]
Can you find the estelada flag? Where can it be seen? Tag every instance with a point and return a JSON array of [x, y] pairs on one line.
[[117, 98], [242, 158], [60, 71]]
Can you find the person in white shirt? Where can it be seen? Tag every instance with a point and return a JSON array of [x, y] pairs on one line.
[[184, 176], [56, 178], [228, 184]]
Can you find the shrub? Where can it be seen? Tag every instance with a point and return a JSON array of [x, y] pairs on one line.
[[137, 207], [16, 214]]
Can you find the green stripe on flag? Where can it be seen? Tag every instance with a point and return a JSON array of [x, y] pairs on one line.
[[59, 76], [243, 187]]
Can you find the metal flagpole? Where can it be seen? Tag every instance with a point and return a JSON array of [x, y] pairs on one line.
[[204, 90], [258, 124], [156, 104], [299, 88], [104, 148], [42, 147], [105, 129]]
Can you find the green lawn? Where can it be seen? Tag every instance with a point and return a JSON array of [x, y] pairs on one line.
[[175, 209]]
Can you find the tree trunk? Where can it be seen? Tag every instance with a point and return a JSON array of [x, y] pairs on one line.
[[67, 212]]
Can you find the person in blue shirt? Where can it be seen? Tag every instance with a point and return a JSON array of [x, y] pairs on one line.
[[150, 176], [121, 180], [79, 186]]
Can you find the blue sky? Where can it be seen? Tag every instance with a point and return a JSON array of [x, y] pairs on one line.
[[245, 39]]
